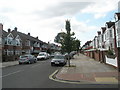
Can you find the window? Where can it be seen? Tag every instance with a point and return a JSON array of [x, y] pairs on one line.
[[118, 43], [5, 52], [110, 33], [9, 41], [27, 43], [17, 42], [9, 52], [18, 52], [118, 30]]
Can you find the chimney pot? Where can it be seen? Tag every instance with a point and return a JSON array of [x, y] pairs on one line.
[[29, 34], [99, 32], [9, 30], [15, 28]]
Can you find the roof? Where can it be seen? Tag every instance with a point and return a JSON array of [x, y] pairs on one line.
[[25, 37], [4, 33], [103, 29], [109, 24], [118, 15]]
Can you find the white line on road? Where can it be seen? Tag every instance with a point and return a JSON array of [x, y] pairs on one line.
[[11, 73]]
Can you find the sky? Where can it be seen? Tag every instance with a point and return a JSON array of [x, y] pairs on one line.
[[46, 18]]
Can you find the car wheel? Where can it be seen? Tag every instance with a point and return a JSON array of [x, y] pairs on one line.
[[29, 62], [51, 64], [20, 63]]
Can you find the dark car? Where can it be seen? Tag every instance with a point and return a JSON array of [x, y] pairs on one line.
[[27, 59], [58, 60]]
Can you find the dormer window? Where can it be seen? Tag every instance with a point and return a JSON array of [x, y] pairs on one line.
[[9, 41], [18, 41]]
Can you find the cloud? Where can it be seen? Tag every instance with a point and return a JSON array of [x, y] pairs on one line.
[[100, 9], [62, 9]]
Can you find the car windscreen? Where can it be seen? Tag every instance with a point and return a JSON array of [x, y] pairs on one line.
[[59, 57]]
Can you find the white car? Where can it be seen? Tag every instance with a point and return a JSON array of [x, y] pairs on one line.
[[42, 55]]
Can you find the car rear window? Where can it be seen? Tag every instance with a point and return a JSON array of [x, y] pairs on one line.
[[24, 56], [41, 54], [59, 57]]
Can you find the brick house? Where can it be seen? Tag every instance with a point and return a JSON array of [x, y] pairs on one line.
[[117, 30], [16, 43], [1, 28]]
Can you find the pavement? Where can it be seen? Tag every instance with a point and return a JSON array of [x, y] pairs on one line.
[[88, 71], [7, 64]]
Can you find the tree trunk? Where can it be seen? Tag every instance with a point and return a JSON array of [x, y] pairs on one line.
[[69, 61]]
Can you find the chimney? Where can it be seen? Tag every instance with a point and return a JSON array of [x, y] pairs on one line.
[[103, 29], [15, 28], [29, 34], [37, 37], [9, 30], [99, 32], [1, 26]]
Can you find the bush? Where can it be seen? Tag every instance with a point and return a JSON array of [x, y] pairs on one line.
[[110, 52]]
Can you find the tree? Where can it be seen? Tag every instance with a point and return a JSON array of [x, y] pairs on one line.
[[68, 42]]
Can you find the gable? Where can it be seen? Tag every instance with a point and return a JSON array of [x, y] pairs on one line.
[[10, 35], [18, 37]]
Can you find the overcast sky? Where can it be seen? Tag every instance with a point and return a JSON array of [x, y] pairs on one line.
[[46, 18]]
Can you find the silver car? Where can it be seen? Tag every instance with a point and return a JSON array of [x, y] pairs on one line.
[[58, 60], [27, 59]]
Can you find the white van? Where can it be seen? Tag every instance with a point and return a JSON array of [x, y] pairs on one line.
[[42, 55]]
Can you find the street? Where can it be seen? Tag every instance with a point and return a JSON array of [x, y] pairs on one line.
[[37, 76]]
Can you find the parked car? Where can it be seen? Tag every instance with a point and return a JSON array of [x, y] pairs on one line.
[[72, 54], [66, 55], [48, 55], [42, 55], [28, 58], [58, 60]]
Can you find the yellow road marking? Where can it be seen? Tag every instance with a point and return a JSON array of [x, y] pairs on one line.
[[106, 79]]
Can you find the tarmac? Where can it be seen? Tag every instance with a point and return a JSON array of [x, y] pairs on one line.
[[82, 70]]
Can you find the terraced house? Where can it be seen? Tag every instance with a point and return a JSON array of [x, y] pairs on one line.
[[105, 47]]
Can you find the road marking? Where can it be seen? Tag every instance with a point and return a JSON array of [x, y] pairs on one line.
[[11, 73], [106, 79], [50, 77]]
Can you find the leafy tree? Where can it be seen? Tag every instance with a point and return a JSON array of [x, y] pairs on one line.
[[68, 42]]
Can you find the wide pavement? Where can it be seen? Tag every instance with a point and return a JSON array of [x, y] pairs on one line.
[[88, 71]]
